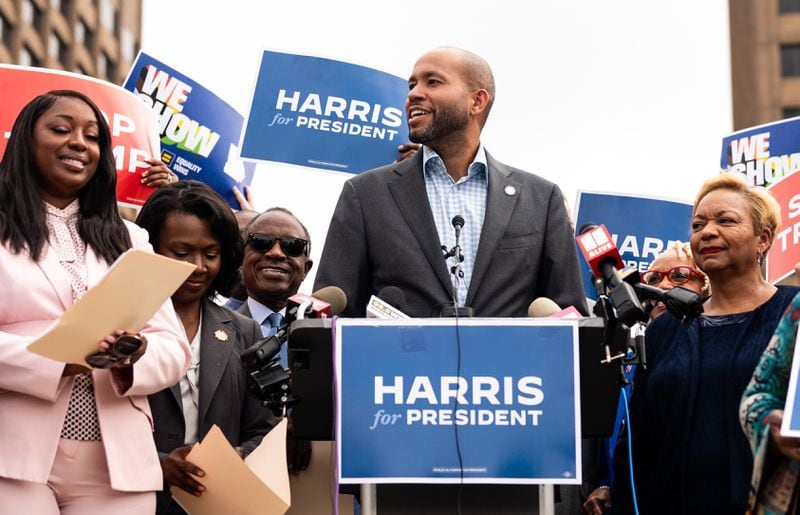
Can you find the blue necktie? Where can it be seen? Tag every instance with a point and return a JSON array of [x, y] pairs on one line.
[[270, 327], [275, 322]]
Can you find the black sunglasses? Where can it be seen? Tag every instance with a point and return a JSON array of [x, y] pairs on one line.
[[293, 247]]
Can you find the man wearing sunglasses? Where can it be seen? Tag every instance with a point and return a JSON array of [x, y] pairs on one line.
[[276, 260]]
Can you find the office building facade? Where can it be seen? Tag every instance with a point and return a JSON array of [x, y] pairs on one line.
[[99, 38]]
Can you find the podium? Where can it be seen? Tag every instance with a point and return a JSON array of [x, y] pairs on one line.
[[425, 406]]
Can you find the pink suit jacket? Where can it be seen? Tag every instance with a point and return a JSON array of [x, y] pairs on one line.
[[34, 397]]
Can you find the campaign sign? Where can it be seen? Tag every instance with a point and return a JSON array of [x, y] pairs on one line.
[[322, 113], [790, 426], [446, 401], [199, 131], [764, 154], [641, 227], [133, 128], [785, 251]]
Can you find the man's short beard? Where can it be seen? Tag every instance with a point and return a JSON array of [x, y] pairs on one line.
[[449, 121]]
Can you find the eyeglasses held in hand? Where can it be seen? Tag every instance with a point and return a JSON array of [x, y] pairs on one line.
[[293, 247], [676, 275], [119, 351]]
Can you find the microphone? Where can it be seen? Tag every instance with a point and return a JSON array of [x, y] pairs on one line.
[[387, 304], [394, 296], [335, 297], [600, 252], [542, 307], [603, 257], [323, 303], [458, 224], [682, 302]]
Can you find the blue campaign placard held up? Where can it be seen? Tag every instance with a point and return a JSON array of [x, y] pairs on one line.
[[764, 154], [322, 113], [199, 131], [791, 415], [408, 388], [641, 227]]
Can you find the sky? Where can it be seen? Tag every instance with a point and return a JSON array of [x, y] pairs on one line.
[[622, 96]]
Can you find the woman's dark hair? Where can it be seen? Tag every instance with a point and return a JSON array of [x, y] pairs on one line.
[[195, 198], [22, 212]]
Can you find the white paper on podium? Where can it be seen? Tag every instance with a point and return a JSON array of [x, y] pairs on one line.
[[133, 289], [259, 485]]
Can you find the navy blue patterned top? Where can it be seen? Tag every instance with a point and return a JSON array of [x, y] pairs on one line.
[[690, 454]]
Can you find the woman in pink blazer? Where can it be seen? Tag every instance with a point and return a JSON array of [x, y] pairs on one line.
[[72, 439]]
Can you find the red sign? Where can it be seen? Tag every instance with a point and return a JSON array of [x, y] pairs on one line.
[[134, 133], [785, 252]]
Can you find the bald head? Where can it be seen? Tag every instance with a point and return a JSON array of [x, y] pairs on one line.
[[475, 71]]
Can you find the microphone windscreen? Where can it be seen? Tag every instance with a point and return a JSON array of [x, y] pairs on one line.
[[393, 296], [333, 296], [542, 307], [630, 276]]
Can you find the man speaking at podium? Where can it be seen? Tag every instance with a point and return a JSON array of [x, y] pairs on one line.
[[391, 225]]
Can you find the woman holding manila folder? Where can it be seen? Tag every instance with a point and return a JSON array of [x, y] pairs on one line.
[[73, 439]]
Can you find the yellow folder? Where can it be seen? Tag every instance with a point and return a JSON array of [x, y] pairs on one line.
[[133, 289], [259, 485]]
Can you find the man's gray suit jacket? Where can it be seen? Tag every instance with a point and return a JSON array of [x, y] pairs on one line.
[[383, 234]]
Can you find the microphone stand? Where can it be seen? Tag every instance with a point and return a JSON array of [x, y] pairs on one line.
[[458, 273]]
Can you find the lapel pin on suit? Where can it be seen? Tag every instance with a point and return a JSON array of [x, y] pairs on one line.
[[221, 335], [510, 190]]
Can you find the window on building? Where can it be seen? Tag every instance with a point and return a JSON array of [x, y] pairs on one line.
[[83, 34], [107, 15], [790, 60], [127, 44], [789, 6], [105, 67], [31, 14], [27, 12], [56, 48], [80, 33], [26, 57], [5, 31]]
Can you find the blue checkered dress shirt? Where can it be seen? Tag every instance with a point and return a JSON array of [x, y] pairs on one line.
[[467, 198]]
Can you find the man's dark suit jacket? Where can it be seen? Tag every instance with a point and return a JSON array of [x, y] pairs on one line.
[[383, 234], [224, 399]]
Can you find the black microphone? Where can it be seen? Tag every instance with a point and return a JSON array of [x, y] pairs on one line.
[[325, 302], [458, 224], [682, 302], [394, 296]]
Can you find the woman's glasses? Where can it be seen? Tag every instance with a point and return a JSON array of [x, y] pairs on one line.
[[677, 275], [292, 247]]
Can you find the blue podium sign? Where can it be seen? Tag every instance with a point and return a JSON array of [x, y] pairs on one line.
[[486, 401]]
